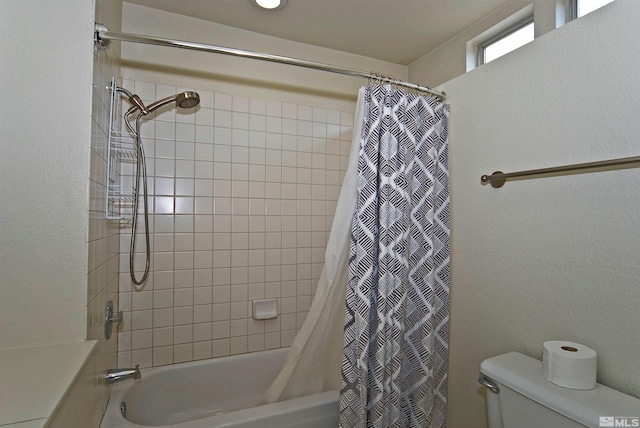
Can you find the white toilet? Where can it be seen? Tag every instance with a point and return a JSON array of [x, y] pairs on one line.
[[518, 396]]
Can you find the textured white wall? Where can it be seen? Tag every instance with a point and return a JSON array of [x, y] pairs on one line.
[[548, 258], [45, 79]]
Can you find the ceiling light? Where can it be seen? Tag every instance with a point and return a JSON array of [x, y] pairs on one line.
[[270, 4]]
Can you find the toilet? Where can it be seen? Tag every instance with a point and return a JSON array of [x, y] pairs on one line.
[[518, 396]]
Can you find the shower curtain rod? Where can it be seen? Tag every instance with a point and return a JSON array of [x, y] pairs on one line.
[[103, 37]]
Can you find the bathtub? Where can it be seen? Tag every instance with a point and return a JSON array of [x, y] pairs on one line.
[[221, 392]]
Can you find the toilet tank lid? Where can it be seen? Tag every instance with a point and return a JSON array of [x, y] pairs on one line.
[[523, 374]]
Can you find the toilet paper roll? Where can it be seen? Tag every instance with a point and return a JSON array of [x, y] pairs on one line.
[[570, 365]]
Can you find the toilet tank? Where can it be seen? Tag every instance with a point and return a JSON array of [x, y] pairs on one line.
[[527, 400]]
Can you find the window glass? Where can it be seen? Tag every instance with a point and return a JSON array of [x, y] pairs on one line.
[[588, 6], [509, 42]]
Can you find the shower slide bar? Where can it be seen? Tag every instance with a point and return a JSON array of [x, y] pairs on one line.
[[498, 178], [103, 37]]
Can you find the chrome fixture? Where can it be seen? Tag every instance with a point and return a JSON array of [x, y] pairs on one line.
[[183, 100], [498, 178], [109, 319], [118, 375], [102, 38], [490, 384]]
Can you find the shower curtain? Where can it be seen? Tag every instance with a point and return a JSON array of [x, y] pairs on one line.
[[394, 369], [395, 337]]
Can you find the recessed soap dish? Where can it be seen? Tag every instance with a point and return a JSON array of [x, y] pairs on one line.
[[265, 309]]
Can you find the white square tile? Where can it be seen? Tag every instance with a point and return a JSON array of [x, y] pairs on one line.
[[221, 329], [206, 99], [162, 299], [141, 339], [182, 334], [221, 311], [223, 101], [203, 187], [273, 124], [222, 293], [257, 106], [255, 343], [162, 355], [184, 168], [257, 139], [183, 223], [203, 295], [272, 340], [141, 320], [183, 353], [221, 241], [223, 118], [203, 314], [145, 90], [204, 170], [204, 116], [202, 260], [221, 347], [289, 126], [202, 350], [238, 327], [238, 345], [240, 120], [221, 260], [204, 152], [289, 110], [271, 289], [240, 104], [165, 130], [183, 260], [305, 112], [164, 167], [333, 116], [162, 317], [273, 141], [183, 316], [162, 336], [183, 297]]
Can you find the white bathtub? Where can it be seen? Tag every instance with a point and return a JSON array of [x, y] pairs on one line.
[[221, 392]]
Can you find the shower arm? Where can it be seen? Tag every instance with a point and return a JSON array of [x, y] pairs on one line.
[[160, 103]]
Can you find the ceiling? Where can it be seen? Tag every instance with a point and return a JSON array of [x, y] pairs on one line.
[[399, 34]]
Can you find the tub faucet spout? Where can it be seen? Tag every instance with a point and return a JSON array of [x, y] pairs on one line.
[[118, 375]]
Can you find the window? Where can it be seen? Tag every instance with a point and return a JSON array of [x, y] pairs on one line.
[[580, 8], [505, 41]]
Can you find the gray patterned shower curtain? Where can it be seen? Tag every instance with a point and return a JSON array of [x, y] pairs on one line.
[[394, 369]]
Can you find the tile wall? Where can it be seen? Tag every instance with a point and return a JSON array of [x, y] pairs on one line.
[[242, 193]]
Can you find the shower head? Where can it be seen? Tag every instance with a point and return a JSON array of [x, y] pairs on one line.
[[188, 99], [184, 100]]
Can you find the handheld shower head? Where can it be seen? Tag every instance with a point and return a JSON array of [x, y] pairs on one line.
[[188, 99], [184, 100]]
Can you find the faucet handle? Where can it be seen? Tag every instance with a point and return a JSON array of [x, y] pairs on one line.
[[109, 319], [117, 319]]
